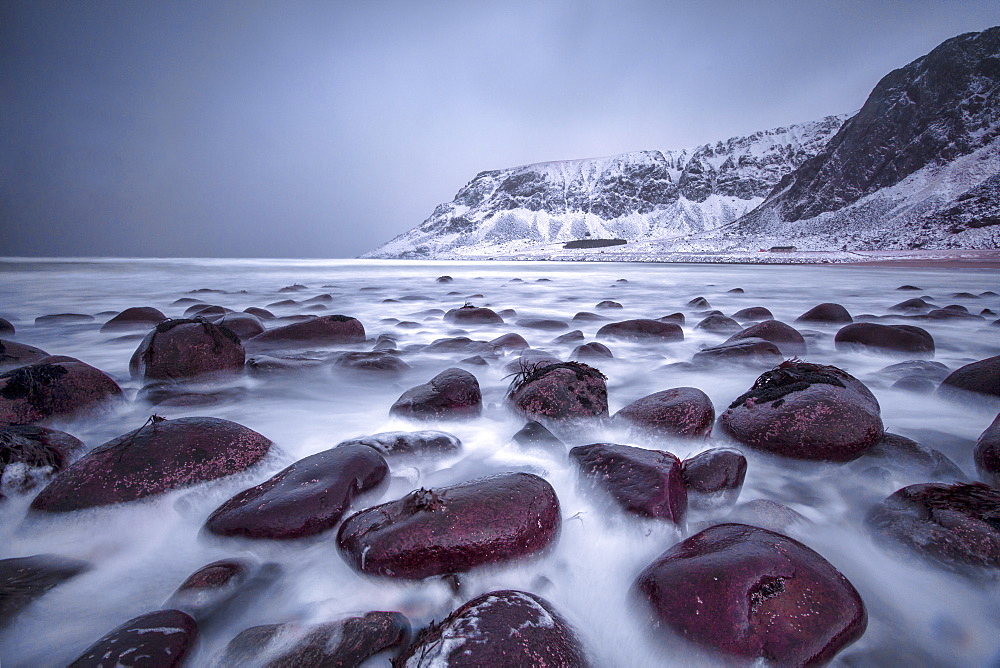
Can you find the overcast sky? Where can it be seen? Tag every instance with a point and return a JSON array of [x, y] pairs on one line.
[[322, 129]]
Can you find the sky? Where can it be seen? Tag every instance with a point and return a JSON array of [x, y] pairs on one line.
[[322, 129]]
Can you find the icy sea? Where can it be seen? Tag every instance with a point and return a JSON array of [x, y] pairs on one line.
[[141, 552]]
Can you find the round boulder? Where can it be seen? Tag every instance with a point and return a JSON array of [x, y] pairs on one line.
[[472, 315], [564, 390], [162, 638], [714, 478], [785, 337], [752, 313], [6, 328], [826, 312], [980, 378], [13, 355], [592, 351], [642, 330], [719, 324], [209, 588], [133, 318], [244, 325], [23, 579], [324, 330], [903, 339], [177, 349], [987, 454], [452, 394], [752, 352], [684, 412], [29, 454], [55, 386]]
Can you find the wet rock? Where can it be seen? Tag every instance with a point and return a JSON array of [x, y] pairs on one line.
[[586, 316], [719, 324], [324, 298], [565, 390], [915, 305], [714, 478], [738, 291], [53, 387], [29, 454], [472, 315], [511, 341], [592, 351], [910, 459], [501, 628], [324, 330], [530, 358], [786, 338], [6, 328], [453, 529], [642, 330], [676, 318], [980, 378], [135, 317], [534, 435], [445, 279], [699, 302], [908, 287], [283, 303], [948, 313], [261, 313], [547, 324], [987, 454], [13, 355], [452, 394], [177, 349], [457, 344], [806, 411], [24, 579], [260, 365], [410, 444], [63, 319], [207, 312], [963, 295], [684, 412], [305, 499], [348, 642], [957, 527], [209, 588], [375, 361], [767, 514], [569, 337], [905, 339], [826, 312], [296, 287], [748, 352], [162, 638], [607, 303], [752, 313], [643, 482], [915, 384], [753, 594], [160, 456], [932, 371], [244, 325]]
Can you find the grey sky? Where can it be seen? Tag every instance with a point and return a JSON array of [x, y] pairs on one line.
[[322, 129]]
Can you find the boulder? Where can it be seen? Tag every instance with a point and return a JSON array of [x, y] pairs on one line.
[[160, 456], [981, 378], [29, 454], [560, 391], [509, 341], [909, 459], [699, 302], [587, 316], [534, 435], [684, 412], [607, 303], [903, 339], [547, 324], [569, 337], [915, 305], [592, 351], [751, 352], [752, 313], [452, 394], [14, 354], [453, 529], [6, 328], [305, 499], [767, 514], [456, 344], [261, 313], [924, 369], [987, 454], [324, 330], [826, 312], [643, 482], [472, 315], [785, 337], [714, 478], [63, 319], [719, 324], [162, 638], [500, 628], [137, 317], [209, 588], [54, 386], [642, 330], [806, 411], [409, 444], [23, 579], [755, 595], [244, 325], [377, 361], [177, 349]]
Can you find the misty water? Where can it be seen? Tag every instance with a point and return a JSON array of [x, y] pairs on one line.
[[141, 552]]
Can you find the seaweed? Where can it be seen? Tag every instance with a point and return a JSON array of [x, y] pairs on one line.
[[790, 376], [532, 371], [28, 382]]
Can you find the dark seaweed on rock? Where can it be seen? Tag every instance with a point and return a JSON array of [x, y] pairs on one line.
[[27, 382], [532, 371], [790, 376]]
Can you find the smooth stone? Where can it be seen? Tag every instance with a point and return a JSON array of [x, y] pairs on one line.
[[699, 302], [714, 478], [472, 315], [410, 444], [642, 330], [509, 341], [676, 318], [754, 352], [607, 303], [546, 324], [788, 340], [131, 318], [903, 339], [377, 361], [564, 390], [24, 579], [63, 318], [177, 349], [914, 305], [29, 453], [210, 588], [261, 313], [826, 312], [452, 394], [14, 354], [569, 337], [534, 435], [244, 325], [752, 313], [680, 412], [161, 638], [910, 459], [591, 351], [6, 327], [719, 324], [586, 316], [932, 371], [980, 379], [324, 330], [55, 386], [987, 454]]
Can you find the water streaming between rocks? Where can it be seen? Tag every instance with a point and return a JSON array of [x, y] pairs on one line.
[[142, 551]]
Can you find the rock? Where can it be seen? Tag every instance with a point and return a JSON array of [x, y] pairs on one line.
[[177, 349], [910, 459], [324, 298], [915, 384], [472, 315], [529, 359], [719, 324], [752, 313], [591, 351], [642, 330], [23, 579], [260, 365], [162, 638], [296, 287], [135, 317], [500, 628], [29, 454], [786, 338], [445, 279], [714, 478], [643, 482], [511, 341], [826, 312], [324, 330], [547, 324], [915, 305], [908, 287], [6, 328], [160, 456], [749, 352], [981, 378], [453, 529], [261, 313], [284, 303], [569, 337], [684, 412], [55, 386], [305, 499], [932, 371], [207, 312], [244, 325], [560, 391], [753, 594], [806, 411], [767, 514], [534, 435], [905, 339], [456, 344], [987, 454], [957, 527], [738, 291], [699, 302], [376, 361], [586, 316], [209, 588], [63, 319], [452, 394], [963, 295], [676, 318], [14, 355], [347, 642], [409, 444], [607, 303]]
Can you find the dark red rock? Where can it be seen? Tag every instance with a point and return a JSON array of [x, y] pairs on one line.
[[826, 312], [755, 595], [13, 355], [63, 319], [376, 361], [956, 526], [409, 444], [501, 628], [42, 451], [244, 325], [565, 390], [445, 279], [55, 386], [472, 315], [324, 330], [305, 499], [510, 341], [162, 638], [719, 324], [905, 339], [457, 344], [699, 302], [206, 311], [452, 394], [987, 454], [261, 313], [738, 291], [135, 317], [160, 456], [929, 370], [23, 579], [978, 378], [676, 318], [209, 588], [714, 478], [767, 514], [177, 349], [915, 305], [684, 412], [752, 313], [347, 642], [910, 459], [586, 316], [534, 435], [642, 330], [453, 529], [908, 287], [5, 327], [806, 411], [569, 337], [324, 298], [607, 303], [546, 324], [748, 352], [785, 337], [643, 482], [592, 351], [283, 303]]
